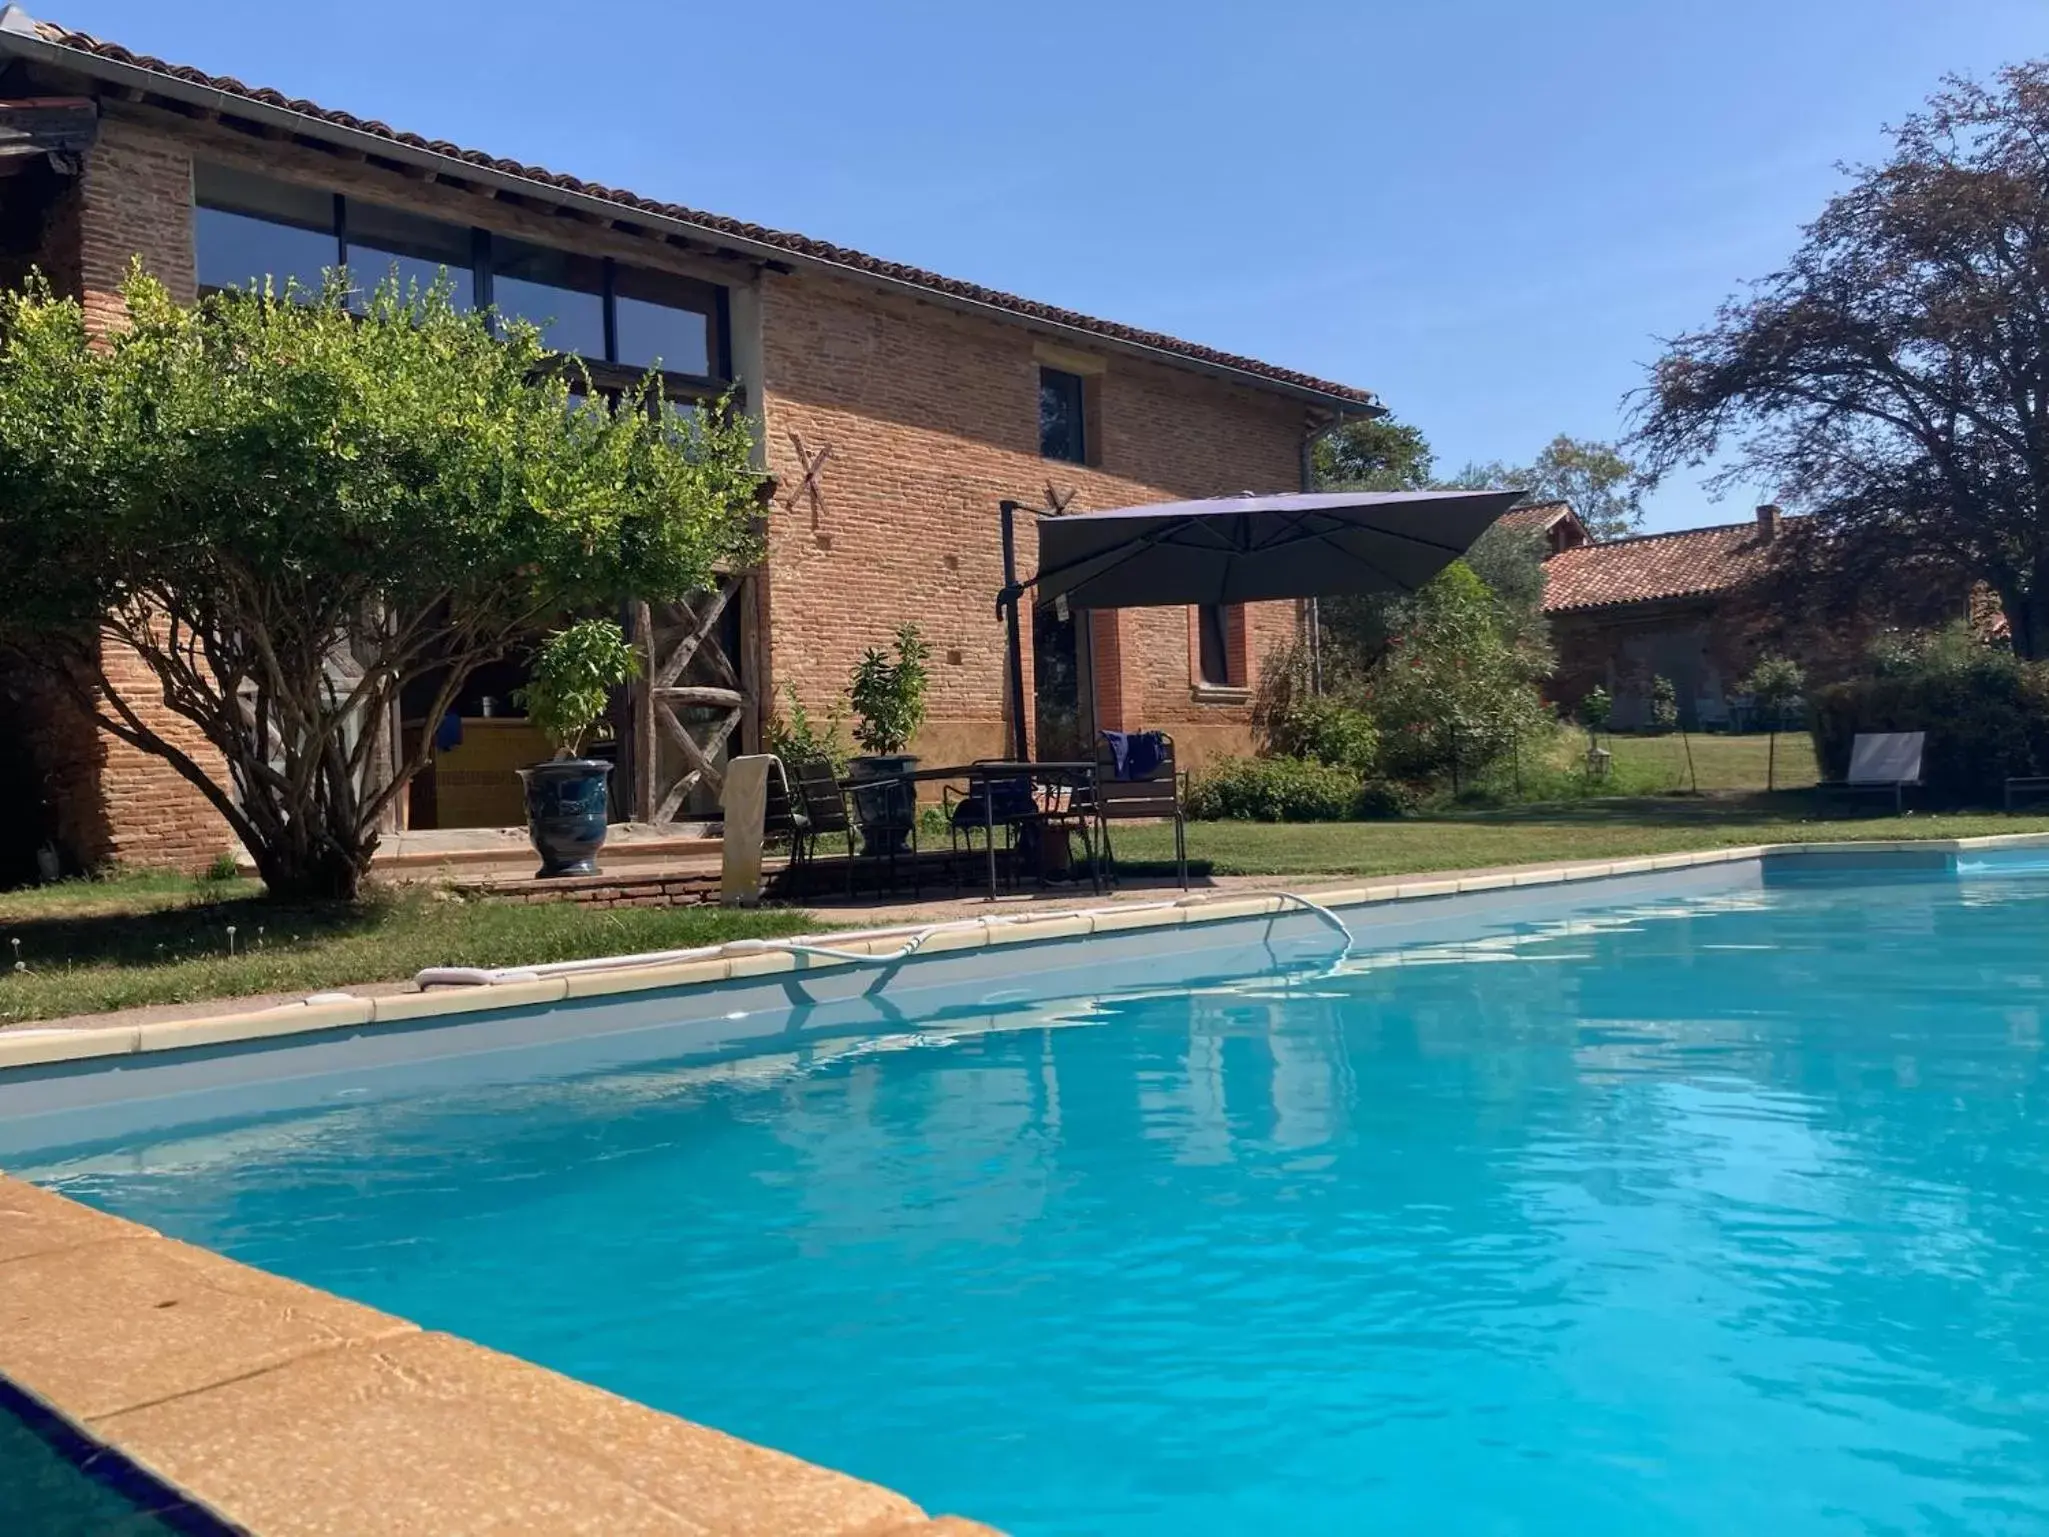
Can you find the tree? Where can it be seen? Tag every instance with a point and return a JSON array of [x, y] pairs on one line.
[[1894, 377], [1453, 692], [1595, 708], [287, 511], [1776, 682], [1372, 453], [1605, 489]]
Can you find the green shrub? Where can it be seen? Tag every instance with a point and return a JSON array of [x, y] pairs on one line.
[[889, 693], [1382, 800], [795, 737], [1326, 730], [571, 682], [1274, 790], [1986, 716]]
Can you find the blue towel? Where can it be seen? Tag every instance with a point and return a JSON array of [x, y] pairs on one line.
[[1135, 754], [449, 733]]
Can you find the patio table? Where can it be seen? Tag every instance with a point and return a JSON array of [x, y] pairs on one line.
[[1072, 775]]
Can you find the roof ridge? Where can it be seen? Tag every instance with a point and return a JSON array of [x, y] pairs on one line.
[[1666, 533], [87, 45]]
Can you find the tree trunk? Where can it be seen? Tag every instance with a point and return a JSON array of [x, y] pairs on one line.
[[1771, 761], [2027, 616]]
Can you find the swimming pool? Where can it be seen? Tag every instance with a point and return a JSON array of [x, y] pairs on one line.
[[1710, 1208]]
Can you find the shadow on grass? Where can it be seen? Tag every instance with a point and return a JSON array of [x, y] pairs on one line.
[[1704, 809], [188, 931]]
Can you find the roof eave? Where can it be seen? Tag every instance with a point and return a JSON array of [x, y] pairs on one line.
[[228, 103]]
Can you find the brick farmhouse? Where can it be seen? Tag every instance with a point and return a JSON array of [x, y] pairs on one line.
[[894, 407], [1682, 605]]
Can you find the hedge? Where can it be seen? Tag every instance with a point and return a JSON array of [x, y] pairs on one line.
[[1288, 790], [1985, 723]]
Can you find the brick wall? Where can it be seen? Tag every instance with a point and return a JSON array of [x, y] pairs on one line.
[[931, 417], [135, 200]]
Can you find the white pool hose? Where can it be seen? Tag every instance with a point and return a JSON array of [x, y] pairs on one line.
[[913, 939]]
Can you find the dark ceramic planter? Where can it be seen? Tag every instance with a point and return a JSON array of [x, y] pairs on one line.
[[566, 813], [884, 810]]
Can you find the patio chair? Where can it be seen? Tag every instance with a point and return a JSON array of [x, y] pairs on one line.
[[1881, 763], [818, 809], [1136, 781], [1010, 805]]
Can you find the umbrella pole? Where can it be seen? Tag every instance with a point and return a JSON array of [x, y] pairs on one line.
[[1020, 746]]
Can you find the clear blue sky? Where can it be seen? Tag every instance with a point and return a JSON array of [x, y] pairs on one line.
[[1484, 211]]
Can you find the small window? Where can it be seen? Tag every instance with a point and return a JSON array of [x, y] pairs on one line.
[[559, 291], [1063, 429], [383, 241], [246, 228], [1213, 645], [662, 321]]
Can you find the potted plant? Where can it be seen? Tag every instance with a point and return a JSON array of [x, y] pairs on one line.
[[574, 673], [888, 695]]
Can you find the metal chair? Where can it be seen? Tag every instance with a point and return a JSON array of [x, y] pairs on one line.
[[1155, 798], [818, 809]]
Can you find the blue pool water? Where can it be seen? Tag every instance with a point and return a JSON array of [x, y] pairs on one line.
[[1718, 1214]]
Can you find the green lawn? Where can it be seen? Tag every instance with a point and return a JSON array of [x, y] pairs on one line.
[[87, 946], [1656, 763], [1587, 830]]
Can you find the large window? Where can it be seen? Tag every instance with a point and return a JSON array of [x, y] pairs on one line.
[[1063, 426], [250, 228], [381, 243], [615, 317], [559, 291], [662, 321]]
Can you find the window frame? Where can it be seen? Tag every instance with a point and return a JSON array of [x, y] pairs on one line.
[[1228, 629], [608, 374], [1077, 386]]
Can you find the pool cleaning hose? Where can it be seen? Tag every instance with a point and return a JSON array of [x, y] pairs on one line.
[[913, 940]]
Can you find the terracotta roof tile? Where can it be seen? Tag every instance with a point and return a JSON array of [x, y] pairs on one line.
[[1538, 516], [796, 245], [1687, 563]]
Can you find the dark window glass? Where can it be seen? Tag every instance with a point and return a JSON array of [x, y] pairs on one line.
[[1213, 645], [248, 227], [663, 321], [1061, 431], [559, 291], [382, 241]]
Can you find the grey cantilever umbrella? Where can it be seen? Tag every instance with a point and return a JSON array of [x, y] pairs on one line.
[[1247, 549]]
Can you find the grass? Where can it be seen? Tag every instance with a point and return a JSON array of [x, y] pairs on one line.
[[132, 940], [1658, 763], [1584, 830]]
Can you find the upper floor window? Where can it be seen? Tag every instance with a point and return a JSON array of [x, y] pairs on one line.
[[1063, 424], [663, 321], [380, 244], [626, 319], [559, 291], [249, 228]]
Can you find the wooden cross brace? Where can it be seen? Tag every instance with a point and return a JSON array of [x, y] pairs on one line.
[[808, 487]]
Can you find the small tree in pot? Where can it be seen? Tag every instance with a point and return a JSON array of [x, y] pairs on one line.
[[574, 673], [888, 694]]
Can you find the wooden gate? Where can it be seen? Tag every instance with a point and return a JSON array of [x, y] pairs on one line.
[[688, 665]]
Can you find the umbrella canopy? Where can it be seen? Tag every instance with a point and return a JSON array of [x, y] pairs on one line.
[[1249, 549]]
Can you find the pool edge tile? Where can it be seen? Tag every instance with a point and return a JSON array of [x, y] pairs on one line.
[[31, 1046], [396, 1007], [254, 1024]]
